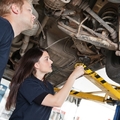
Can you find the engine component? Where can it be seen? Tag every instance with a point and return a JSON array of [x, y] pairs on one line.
[[110, 17], [55, 4], [85, 7], [114, 1]]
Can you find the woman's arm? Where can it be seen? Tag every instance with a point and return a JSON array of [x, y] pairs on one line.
[[58, 99]]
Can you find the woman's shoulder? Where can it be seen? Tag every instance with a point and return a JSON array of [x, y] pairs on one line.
[[29, 80]]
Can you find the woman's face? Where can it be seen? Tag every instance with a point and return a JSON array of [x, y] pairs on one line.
[[44, 65]]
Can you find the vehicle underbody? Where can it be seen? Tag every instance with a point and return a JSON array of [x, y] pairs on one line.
[[73, 31]]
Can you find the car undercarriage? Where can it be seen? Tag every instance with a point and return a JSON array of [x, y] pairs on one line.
[[73, 31]]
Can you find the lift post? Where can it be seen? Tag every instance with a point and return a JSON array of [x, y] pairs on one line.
[[111, 92]]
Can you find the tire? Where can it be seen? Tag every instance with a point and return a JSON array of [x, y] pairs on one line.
[[113, 66]]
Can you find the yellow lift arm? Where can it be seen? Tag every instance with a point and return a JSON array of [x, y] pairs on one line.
[[111, 92]]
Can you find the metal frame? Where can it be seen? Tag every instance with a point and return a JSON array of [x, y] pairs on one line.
[[111, 92]]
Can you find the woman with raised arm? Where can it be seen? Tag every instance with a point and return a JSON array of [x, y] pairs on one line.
[[32, 96]]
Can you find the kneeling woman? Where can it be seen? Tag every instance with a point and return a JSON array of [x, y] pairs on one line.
[[32, 96]]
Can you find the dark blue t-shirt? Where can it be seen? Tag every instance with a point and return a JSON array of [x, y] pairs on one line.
[[6, 37], [26, 108]]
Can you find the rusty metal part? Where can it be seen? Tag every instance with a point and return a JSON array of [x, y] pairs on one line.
[[96, 41], [98, 5], [117, 53], [82, 47], [86, 37], [42, 25], [68, 12], [55, 4], [86, 8], [93, 58], [110, 16], [76, 2], [80, 25], [114, 1]]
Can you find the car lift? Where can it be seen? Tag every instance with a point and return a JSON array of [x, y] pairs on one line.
[[111, 92]]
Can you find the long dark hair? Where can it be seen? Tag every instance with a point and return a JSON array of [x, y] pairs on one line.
[[24, 69]]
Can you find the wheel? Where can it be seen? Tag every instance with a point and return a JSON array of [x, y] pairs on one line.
[[113, 66]]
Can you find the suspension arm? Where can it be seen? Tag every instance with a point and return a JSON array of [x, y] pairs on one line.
[[86, 37]]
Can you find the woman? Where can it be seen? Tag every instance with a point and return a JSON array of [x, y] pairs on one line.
[[32, 96]]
